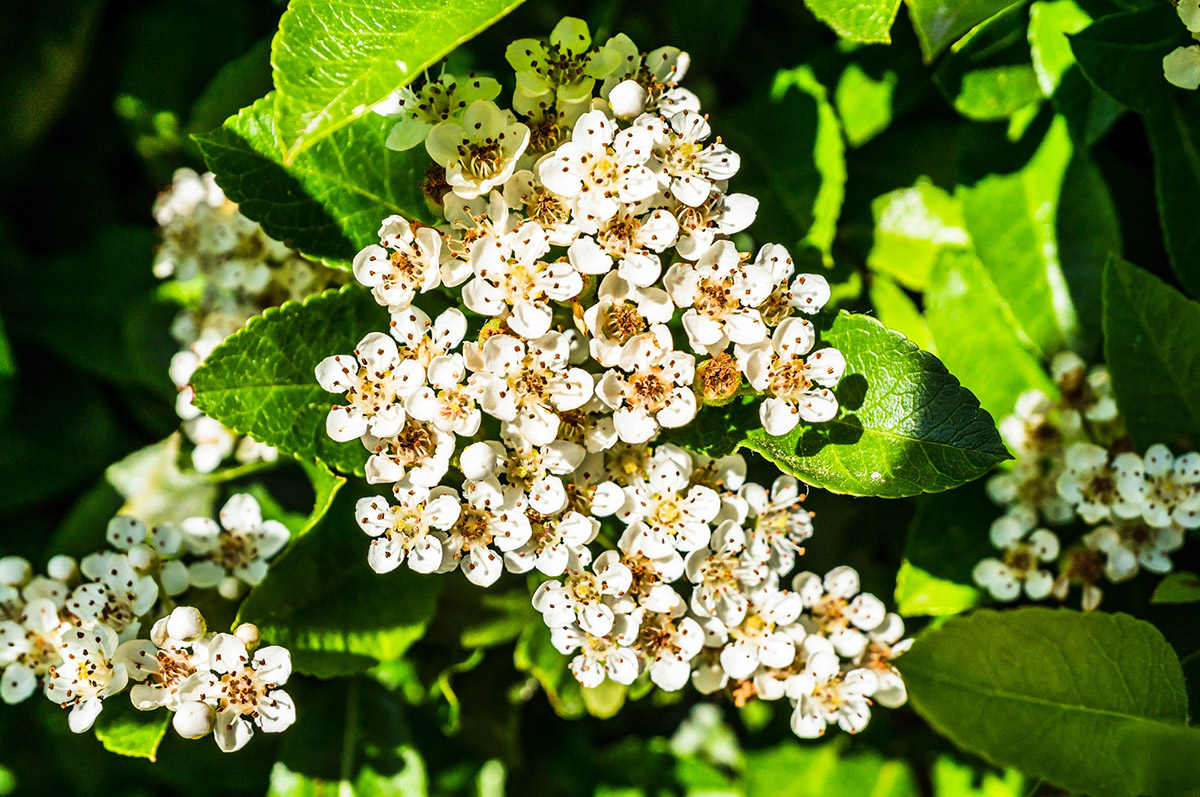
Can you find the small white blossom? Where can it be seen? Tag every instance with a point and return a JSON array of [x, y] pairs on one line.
[[1025, 550], [480, 152], [838, 611], [1091, 479], [419, 453], [409, 530], [580, 598], [779, 524], [824, 696], [240, 546], [610, 655], [651, 388], [665, 513], [115, 595], [623, 311], [419, 109], [689, 168], [29, 647], [668, 642], [376, 381], [491, 515], [88, 674], [797, 382], [404, 263], [720, 296], [759, 639]]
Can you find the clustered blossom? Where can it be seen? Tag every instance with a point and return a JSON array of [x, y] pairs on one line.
[[225, 270], [78, 634], [584, 236], [1182, 65], [1074, 461]]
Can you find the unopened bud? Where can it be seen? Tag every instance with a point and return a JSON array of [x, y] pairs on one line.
[[229, 588], [185, 624], [62, 568], [628, 99], [14, 571], [193, 720], [141, 557], [248, 633]]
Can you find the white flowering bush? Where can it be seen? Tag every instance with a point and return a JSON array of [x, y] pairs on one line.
[[680, 399]]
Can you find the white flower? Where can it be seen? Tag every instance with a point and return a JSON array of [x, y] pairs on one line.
[[1091, 479], [653, 391], [479, 152], [437, 100], [797, 386], [631, 238], [115, 595], [420, 453], [405, 263], [491, 515], [780, 525], [600, 168], [28, 649], [446, 402], [527, 383], [162, 665], [510, 276], [887, 644], [88, 674], [650, 587], [688, 168], [1134, 544], [1171, 489], [720, 214], [668, 642], [213, 443], [240, 546], [657, 73], [376, 381], [721, 575], [243, 691], [536, 470], [838, 611], [760, 639], [824, 696], [610, 655], [409, 529], [1023, 553], [541, 206], [558, 543], [1181, 66], [581, 597], [665, 513], [559, 74], [721, 297], [422, 339], [623, 311]]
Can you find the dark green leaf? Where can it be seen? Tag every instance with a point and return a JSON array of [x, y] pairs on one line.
[[325, 484], [939, 24], [239, 83], [867, 21], [336, 59], [1093, 703], [905, 425], [260, 381], [1153, 352], [535, 655], [329, 201], [1175, 139], [125, 730], [1122, 54], [1177, 588], [1088, 232], [977, 337], [987, 76]]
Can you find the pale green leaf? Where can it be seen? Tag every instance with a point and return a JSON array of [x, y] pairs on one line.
[[125, 730], [868, 21], [912, 227], [825, 770], [864, 103], [334, 60], [330, 200], [1092, 703], [920, 593], [898, 312], [1050, 21], [1153, 352], [905, 425]]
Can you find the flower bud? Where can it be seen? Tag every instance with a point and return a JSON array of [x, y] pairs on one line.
[[141, 557], [14, 571], [230, 588], [193, 720], [158, 632], [62, 568], [628, 99], [185, 624], [248, 633], [718, 379]]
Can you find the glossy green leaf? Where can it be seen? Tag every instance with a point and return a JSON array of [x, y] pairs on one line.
[[912, 227], [330, 200], [799, 179], [125, 730], [325, 484], [1177, 588], [939, 24], [977, 336], [1153, 352], [260, 381], [336, 59], [1088, 232], [987, 75], [897, 311], [864, 103], [1011, 219], [1092, 703], [868, 21], [322, 601], [919, 593], [905, 426]]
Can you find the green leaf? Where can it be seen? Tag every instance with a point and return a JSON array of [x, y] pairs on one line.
[[977, 337], [939, 24], [1050, 21], [987, 75], [1093, 702], [919, 593], [800, 180], [895, 310], [322, 601], [912, 227], [1175, 140], [325, 484], [605, 700], [239, 83], [1011, 219], [905, 426], [864, 103], [825, 770], [260, 382], [1088, 232], [1177, 588], [1122, 54], [535, 655], [868, 21], [1153, 352], [125, 730], [330, 200], [8, 363], [954, 779], [334, 60]]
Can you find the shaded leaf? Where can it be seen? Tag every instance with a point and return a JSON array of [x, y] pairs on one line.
[[1177, 588], [939, 24]]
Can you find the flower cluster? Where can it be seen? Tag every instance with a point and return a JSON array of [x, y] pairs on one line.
[[77, 631], [225, 270], [1182, 65], [1073, 461], [578, 296]]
